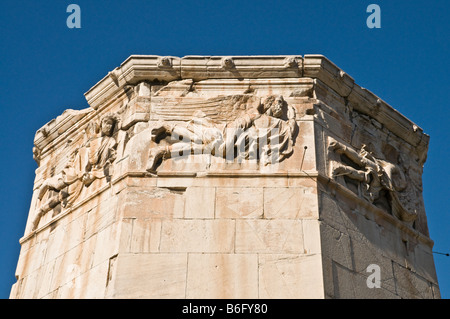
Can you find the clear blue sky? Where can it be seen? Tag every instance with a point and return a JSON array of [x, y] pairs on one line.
[[46, 68]]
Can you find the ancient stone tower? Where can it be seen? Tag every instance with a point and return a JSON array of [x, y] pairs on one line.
[[228, 177]]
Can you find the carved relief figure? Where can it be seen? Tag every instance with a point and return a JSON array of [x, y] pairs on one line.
[[195, 137], [101, 148], [375, 176], [413, 189], [88, 162], [273, 129], [266, 133], [69, 179]]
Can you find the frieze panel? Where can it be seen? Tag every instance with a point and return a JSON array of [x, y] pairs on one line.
[[91, 160], [264, 132], [392, 186]]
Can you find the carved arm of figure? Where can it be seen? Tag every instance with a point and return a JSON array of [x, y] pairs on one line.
[[291, 119], [102, 153], [369, 173], [340, 148], [57, 183], [358, 175], [67, 177]]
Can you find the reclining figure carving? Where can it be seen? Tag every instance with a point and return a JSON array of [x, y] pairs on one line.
[[265, 133]]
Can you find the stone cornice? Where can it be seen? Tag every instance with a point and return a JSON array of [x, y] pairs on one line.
[[363, 100], [154, 68], [139, 68]]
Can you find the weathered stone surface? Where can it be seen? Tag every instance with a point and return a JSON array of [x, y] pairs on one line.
[[145, 235], [222, 276], [199, 235], [149, 276], [200, 202], [350, 285], [228, 177], [239, 203], [410, 285], [296, 203], [152, 203], [290, 276], [269, 236]]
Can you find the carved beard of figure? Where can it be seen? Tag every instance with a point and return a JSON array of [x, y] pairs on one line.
[[107, 127], [273, 106]]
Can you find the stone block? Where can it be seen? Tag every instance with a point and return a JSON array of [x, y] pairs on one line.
[[290, 276], [336, 213], [88, 285], [244, 67], [364, 254], [336, 245], [145, 237], [105, 244], [423, 263], [200, 202], [311, 236], [44, 280], [194, 67], [199, 235], [269, 236], [55, 244], [302, 159], [27, 286], [147, 276], [65, 237], [32, 259], [290, 202], [138, 110], [410, 285], [135, 152], [236, 179], [334, 125], [176, 181], [351, 285], [319, 67], [436, 291], [152, 202], [392, 244], [224, 276], [91, 284], [100, 217], [73, 263], [240, 202]]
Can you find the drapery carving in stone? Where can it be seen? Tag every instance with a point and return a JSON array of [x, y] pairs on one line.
[[264, 133], [378, 179], [91, 160]]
